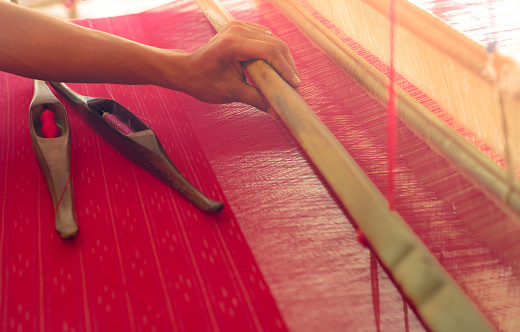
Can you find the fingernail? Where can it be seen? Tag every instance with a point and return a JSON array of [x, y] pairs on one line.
[[296, 72], [297, 79]]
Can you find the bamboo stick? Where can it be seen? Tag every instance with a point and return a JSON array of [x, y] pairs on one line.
[[437, 298]]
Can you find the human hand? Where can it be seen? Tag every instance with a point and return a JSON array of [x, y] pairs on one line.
[[214, 73]]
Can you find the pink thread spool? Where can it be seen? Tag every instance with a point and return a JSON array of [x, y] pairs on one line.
[[116, 123], [49, 127]]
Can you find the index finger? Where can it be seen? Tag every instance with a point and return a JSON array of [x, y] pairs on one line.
[[273, 55], [270, 50]]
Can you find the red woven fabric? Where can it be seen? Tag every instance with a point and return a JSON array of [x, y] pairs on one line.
[[281, 255], [144, 259]]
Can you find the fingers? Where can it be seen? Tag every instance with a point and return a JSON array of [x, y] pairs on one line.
[[250, 25], [216, 73], [281, 59], [253, 41], [273, 55]]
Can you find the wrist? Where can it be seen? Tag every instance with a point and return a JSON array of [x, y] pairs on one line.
[[173, 69]]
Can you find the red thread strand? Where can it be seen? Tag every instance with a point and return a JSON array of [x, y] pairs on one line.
[[64, 188], [68, 180], [392, 116]]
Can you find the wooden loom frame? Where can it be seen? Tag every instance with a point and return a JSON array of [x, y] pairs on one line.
[[438, 300], [494, 180]]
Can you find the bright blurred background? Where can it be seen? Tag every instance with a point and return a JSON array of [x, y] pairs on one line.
[[91, 8]]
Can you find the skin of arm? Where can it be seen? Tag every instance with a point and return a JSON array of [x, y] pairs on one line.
[[38, 46]]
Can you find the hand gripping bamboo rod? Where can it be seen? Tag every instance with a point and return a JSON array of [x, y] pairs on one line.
[[438, 299]]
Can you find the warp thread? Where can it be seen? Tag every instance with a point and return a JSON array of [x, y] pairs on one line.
[[392, 115]]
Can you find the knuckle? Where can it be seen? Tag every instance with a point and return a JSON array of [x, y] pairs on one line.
[[235, 28], [284, 48], [228, 41], [274, 51], [229, 95], [257, 102], [235, 23], [230, 25]]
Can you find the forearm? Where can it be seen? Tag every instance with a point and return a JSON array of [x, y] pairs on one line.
[[41, 47], [50, 49]]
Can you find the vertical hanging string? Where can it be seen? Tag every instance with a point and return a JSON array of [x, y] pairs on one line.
[[392, 131], [392, 116]]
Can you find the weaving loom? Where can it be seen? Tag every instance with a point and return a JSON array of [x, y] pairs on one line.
[[284, 253]]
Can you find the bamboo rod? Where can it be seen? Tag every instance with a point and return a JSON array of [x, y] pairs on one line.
[[438, 299]]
